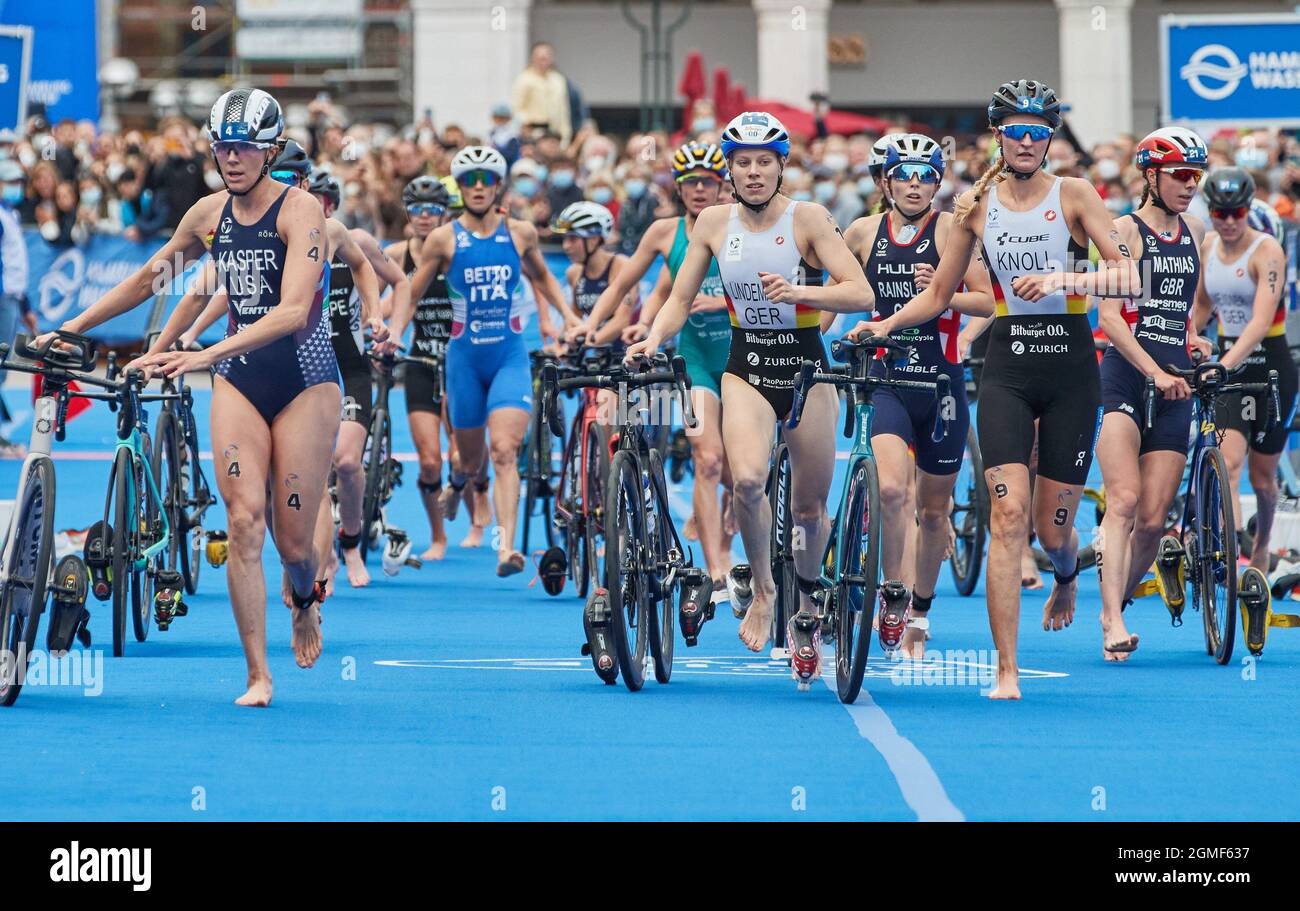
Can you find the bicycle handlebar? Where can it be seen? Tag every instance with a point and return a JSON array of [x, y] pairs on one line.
[[1211, 379], [661, 371]]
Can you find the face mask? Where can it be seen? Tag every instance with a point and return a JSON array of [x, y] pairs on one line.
[[526, 187], [50, 231], [1107, 169], [27, 157], [793, 174], [114, 171], [703, 124], [213, 180], [353, 189], [542, 171], [959, 168], [595, 163], [5, 154], [602, 195], [635, 188], [562, 179], [836, 161], [824, 191], [1119, 205], [801, 196], [866, 186], [1251, 157], [91, 197], [13, 194]]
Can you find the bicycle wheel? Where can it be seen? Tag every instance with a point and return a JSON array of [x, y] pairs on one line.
[[1218, 556], [166, 464], [146, 529], [378, 448], [194, 494], [662, 621], [782, 548], [969, 518], [28, 571], [597, 479], [120, 548], [624, 579], [859, 572]]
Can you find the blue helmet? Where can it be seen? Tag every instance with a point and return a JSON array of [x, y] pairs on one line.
[[912, 147], [755, 130]]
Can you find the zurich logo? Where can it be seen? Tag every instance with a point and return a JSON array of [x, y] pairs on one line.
[[752, 357], [1219, 64]]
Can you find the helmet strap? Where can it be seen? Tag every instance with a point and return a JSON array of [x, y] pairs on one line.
[[266, 169], [893, 204], [1022, 175], [1155, 198]]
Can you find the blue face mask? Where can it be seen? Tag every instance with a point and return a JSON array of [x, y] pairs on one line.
[[562, 179], [602, 195], [801, 196], [635, 188], [542, 171], [526, 186], [13, 193], [866, 186], [824, 191], [703, 124]]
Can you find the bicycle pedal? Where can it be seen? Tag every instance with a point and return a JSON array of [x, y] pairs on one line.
[[95, 551], [68, 615], [696, 605], [599, 645], [217, 549], [1256, 609], [167, 605], [1171, 577]]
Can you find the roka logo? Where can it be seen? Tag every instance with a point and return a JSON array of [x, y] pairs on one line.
[[1219, 64]]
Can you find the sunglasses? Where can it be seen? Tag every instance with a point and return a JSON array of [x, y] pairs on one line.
[[426, 208], [289, 177], [1182, 175], [1016, 132], [692, 181], [224, 147], [1238, 213], [909, 171], [478, 179]]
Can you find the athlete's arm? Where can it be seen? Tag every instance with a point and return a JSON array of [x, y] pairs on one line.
[[848, 292], [399, 307], [363, 276], [695, 266], [1110, 310], [302, 225], [637, 266], [1115, 276], [1196, 342], [190, 317], [1267, 269], [433, 259], [976, 298], [544, 282], [182, 249], [954, 263]]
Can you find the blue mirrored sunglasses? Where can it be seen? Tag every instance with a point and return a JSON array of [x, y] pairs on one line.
[[1016, 132], [915, 170], [239, 147], [289, 177], [477, 179], [426, 208]]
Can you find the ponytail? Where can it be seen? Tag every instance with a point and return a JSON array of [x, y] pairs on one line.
[[995, 173]]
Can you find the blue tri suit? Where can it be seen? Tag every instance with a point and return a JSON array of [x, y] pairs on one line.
[[250, 264], [487, 362]]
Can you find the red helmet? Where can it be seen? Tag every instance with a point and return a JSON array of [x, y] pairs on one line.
[[1171, 146]]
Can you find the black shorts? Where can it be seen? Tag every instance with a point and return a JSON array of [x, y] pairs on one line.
[[769, 360], [910, 414], [1123, 388], [1249, 417], [423, 389], [358, 394], [1035, 371]]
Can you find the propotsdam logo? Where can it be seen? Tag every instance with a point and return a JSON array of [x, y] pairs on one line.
[[1220, 66]]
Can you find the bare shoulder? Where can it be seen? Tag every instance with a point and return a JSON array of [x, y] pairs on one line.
[[1197, 227], [524, 232], [364, 240]]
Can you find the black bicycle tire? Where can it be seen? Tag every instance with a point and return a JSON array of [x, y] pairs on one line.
[[662, 623], [622, 505], [39, 488], [850, 668], [1218, 643], [119, 549], [965, 581], [781, 552], [598, 466]]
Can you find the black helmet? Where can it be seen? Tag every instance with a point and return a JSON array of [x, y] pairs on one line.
[[1228, 188], [324, 184], [426, 189], [292, 157], [1025, 96]]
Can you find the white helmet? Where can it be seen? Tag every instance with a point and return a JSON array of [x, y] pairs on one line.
[[876, 160], [913, 147], [478, 158], [584, 219], [755, 130], [246, 115]]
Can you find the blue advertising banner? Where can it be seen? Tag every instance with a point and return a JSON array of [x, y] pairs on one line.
[[15, 63], [64, 55], [1231, 70]]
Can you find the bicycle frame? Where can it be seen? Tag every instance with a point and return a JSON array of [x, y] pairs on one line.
[[133, 442], [860, 451], [43, 422]]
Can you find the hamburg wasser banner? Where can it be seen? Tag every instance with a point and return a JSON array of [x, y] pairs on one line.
[[1231, 70], [64, 73]]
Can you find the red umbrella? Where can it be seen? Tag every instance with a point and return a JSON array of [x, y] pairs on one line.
[[722, 94], [692, 84], [800, 121], [738, 103]]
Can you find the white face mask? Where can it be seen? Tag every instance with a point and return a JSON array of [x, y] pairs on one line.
[[836, 161], [114, 171], [1107, 168], [27, 157], [50, 231], [595, 164], [213, 180]]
